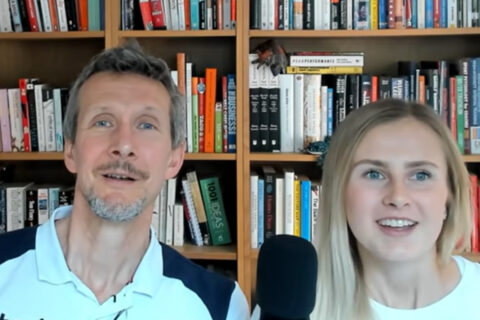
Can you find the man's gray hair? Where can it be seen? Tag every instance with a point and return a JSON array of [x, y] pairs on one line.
[[123, 60]]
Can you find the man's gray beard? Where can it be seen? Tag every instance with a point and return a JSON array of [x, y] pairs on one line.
[[115, 212]]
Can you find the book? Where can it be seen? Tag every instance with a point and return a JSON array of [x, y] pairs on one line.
[[171, 192], [215, 211], [199, 206], [298, 89], [191, 215], [254, 210], [146, 11], [254, 100], [16, 126], [5, 122], [231, 114], [269, 176], [286, 113], [210, 99], [16, 200], [324, 70], [178, 225]]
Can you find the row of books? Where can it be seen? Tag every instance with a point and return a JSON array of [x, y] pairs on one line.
[[362, 14], [282, 202], [27, 204], [31, 117], [211, 125], [178, 14], [204, 210], [51, 15], [290, 111]]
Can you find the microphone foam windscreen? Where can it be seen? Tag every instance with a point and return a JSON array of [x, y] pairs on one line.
[[286, 277]]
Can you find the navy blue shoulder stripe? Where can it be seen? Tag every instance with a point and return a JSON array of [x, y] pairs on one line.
[[15, 243], [215, 290]]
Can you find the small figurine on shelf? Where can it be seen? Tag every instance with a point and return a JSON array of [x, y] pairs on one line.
[[272, 54]]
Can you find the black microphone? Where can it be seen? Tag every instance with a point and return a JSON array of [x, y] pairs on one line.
[[286, 278]]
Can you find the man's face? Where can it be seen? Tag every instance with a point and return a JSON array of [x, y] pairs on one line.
[[123, 149]]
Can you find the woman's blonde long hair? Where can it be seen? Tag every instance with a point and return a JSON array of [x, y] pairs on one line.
[[341, 293]]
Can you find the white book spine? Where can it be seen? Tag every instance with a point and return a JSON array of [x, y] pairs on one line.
[[181, 14], [227, 18], [312, 107], [197, 234], [178, 226], [174, 14], [298, 14], [279, 205], [254, 210], [156, 216], [40, 120], [298, 112], [324, 111], [49, 119], [326, 9], [42, 205], [47, 21], [209, 16], [16, 126], [349, 14], [57, 105], [286, 113], [174, 75], [5, 122], [315, 207], [286, 14], [317, 16], [162, 214], [264, 14], [16, 209], [421, 14], [188, 96], [62, 15], [271, 14], [452, 13], [167, 14], [5, 22], [327, 60], [289, 209], [15, 12], [171, 187]]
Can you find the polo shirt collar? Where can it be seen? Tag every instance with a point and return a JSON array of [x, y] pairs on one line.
[[53, 268]]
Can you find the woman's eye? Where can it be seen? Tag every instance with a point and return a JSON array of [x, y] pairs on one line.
[[421, 176], [373, 175], [146, 125]]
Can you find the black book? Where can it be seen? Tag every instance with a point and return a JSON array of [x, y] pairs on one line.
[[340, 98], [255, 7], [409, 69], [264, 117], [214, 14], [366, 89], [269, 201], [308, 11], [202, 7], [384, 87], [32, 114], [22, 9], [280, 14], [3, 210], [31, 217], [274, 115], [353, 92], [72, 18]]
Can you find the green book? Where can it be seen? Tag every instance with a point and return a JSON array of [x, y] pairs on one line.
[[215, 211], [460, 117], [195, 121], [218, 127]]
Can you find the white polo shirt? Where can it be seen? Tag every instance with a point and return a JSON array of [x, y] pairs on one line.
[[35, 283]]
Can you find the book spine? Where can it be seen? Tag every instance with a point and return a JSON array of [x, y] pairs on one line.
[[188, 105], [53, 201], [254, 97], [273, 112], [53, 15], [57, 102], [201, 114], [181, 14], [312, 109], [15, 16], [31, 203], [38, 88], [261, 211], [460, 115], [315, 206], [269, 205], [224, 115], [171, 187], [296, 207], [188, 23], [279, 205], [210, 96], [286, 113], [254, 211], [196, 233], [215, 211], [298, 88], [231, 113], [218, 127], [194, 15], [199, 206], [62, 16], [195, 114], [289, 178], [15, 112], [305, 209], [320, 60], [298, 14], [174, 14], [3, 210], [32, 15], [146, 12], [324, 70], [22, 7], [93, 15], [5, 122], [158, 18], [264, 108], [15, 208], [42, 205], [178, 225]]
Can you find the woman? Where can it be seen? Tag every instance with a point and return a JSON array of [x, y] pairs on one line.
[[395, 202]]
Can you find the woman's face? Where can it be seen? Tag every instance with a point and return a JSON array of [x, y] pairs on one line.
[[397, 192]]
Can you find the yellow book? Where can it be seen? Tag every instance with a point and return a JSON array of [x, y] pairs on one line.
[[296, 204], [325, 70], [373, 14]]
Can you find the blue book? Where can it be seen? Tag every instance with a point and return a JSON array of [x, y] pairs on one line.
[[102, 14], [415, 13], [194, 15], [305, 208], [330, 112], [443, 13], [290, 14], [231, 114], [261, 211], [474, 115], [383, 14], [428, 13]]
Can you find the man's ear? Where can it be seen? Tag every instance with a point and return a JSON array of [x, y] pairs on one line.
[[176, 161], [68, 157]]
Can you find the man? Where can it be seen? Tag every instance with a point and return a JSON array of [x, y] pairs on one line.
[[98, 259]]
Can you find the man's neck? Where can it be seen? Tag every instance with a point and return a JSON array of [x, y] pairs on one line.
[[103, 255]]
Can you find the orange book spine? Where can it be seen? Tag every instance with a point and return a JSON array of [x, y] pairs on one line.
[[210, 99], [82, 6], [233, 11], [219, 14], [374, 94], [53, 14], [187, 15], [181, 72], [421, 85]]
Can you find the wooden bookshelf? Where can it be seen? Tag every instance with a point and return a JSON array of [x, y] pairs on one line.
[[190, 251]]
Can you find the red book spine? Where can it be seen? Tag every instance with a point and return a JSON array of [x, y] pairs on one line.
[[187, 14], [32, 16], [201, 114], [53, 14], [474, 203], [374, 96], [146, 11], [158, 17], [22, 84], [436, 13]]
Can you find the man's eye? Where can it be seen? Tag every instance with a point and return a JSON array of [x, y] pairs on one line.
[[103, 123], [373, 175], [421, 176], [146, 125]]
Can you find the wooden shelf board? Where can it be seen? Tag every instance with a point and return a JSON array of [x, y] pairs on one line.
[[228, 252], [471, 158], [210, 156], [364, 33], [472, 256], [51, 35], [42, 156], [177, 34], [282, 157]]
